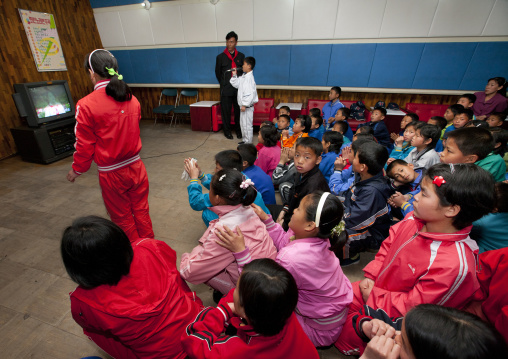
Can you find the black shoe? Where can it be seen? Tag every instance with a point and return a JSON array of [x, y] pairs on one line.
[[241, 143], [229, 136], [239, 135], [217, 296]]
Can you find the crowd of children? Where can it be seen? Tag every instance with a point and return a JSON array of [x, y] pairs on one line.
[[412, 197]]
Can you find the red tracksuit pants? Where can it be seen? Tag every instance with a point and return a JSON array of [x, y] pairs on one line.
[[125, 195]]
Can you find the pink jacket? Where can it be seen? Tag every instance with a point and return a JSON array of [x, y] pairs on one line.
[[413, 268], [209, 260], [324, 292], [268, 159]]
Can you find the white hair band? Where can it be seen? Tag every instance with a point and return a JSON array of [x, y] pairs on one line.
[[320, 207], [90, 58]]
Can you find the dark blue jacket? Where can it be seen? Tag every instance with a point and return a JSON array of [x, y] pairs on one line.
[[380, 133], [262, 182]]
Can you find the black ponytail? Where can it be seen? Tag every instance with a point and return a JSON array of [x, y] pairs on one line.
[[226, 184], [331, 216], [99, 60]]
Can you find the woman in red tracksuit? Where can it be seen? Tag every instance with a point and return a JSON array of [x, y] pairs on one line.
[[131, 300], [107, 132], [428, 257]]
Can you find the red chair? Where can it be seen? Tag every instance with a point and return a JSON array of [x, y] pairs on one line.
[[320, 103], [425, 111], [264, 110]]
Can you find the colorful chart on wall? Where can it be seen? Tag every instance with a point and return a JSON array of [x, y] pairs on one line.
[[44, 42]]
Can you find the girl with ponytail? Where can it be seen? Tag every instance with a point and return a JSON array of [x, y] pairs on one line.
[[107, 132], [309, 250], [231, 195]]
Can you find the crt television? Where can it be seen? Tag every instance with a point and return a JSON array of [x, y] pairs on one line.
[[44, 102]]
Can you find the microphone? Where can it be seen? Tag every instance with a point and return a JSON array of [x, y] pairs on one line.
[[236, 68]]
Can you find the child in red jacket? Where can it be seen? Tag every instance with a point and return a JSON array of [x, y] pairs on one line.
[[428, 257], [131, 300], [260, 313]]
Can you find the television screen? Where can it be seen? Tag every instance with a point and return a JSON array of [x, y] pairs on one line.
[[50, 100]]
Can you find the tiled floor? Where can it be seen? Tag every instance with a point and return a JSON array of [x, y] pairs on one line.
[[37, 203]]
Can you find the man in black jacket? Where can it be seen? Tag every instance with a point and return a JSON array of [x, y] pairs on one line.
[[230, 58]]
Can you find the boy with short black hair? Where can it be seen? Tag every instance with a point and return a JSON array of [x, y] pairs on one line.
[[496, 119], [449, 115], [247, 97], [308, 176], [424, 142], [366, 211], [262, 181], [438, 121], [316, 129], [284, 110], [301, 128], [406, 182], [343, 127], [380, 130], [474, 145], [463, 118], [467, 100]]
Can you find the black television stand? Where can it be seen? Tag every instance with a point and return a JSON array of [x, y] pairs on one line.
[[47, 143]]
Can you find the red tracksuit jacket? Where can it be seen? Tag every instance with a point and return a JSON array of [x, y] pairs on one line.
[[146, 313], [107, 131], [203, 338]]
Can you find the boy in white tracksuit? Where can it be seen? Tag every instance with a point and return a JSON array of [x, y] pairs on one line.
[[247, 97]]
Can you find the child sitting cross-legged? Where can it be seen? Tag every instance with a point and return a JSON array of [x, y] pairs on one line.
[[231, 195], [301, 128], [428, 257], [260, 313], [199, 201], [424, 142], [269, 154], [406, 181], [474, 145], [262, 181], [367, 214], [332, 144], [309, 251]]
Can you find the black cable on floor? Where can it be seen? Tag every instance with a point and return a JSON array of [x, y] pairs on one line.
[[176, 153]]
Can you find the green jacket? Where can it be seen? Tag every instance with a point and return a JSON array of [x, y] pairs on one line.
[[495, 165]]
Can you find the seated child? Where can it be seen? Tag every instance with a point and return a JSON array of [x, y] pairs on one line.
[[131, 300], [264, 123], [316, 129], [260, 310], [283, 124], [467, 100], [199, 201], [380, 130], [403, 143], [269, 154], [429, 331], [449, 115], [285, 172], [474, 145], [406, 120], [231, 195], [286, 111], [342, 115], [424, 141], [490, 231], [306, 250], [308, 178], [343, 127], [367, 214], [462, 119], [496, 119], [406, 181], [441, 123], [343, 178], [301, 128], [262, 182], [500, 136], [332, 144], [330, 108], [428, 257], [366, 130]]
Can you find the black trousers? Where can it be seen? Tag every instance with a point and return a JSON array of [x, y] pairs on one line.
[[226, 102]]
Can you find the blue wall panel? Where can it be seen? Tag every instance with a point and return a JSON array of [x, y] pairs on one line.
[[145, 66], [350, 65], [443, 65], [124, 65], [173, 65], [309, 64], [489, 60], [201, 64], [395, 65], [272, 64]]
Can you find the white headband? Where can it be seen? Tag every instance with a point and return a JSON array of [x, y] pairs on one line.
[[90, 58], [320, 207]]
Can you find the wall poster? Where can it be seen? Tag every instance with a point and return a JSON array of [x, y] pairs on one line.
[[44, 42]]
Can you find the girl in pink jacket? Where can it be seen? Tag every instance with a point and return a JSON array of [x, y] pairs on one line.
[[230, 194], [324, 292]]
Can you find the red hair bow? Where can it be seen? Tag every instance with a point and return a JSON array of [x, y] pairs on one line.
[[438, 180]]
